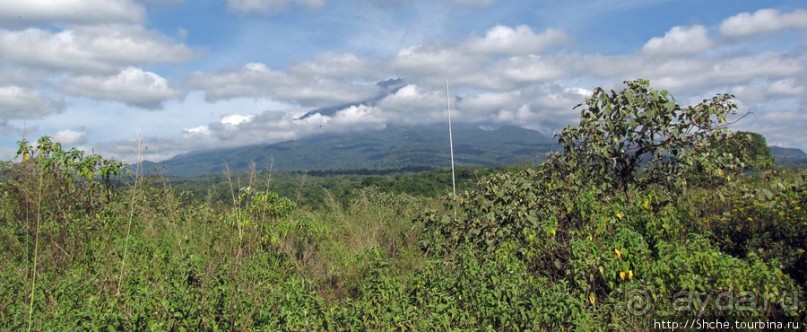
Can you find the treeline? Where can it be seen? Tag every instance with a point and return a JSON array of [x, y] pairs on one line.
[[312, 189]]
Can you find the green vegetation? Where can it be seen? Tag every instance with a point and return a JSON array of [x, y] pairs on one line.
[[652, 211]]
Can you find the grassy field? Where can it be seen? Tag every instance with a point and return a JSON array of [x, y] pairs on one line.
[[496, 257]]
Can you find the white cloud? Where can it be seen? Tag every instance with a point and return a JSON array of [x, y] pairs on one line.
[[203, 130], [358, 117], [21, 103], [269, 6], [70, 137], [258, 80], [504, 59], [762, 90], [763, 21], [431, 65], [480, 107], [515, 41], [530, 69], [679, 40], [688, 74], [131, 86], [73, 11], [90, 49], [414, 104], [236, 119], [787, 87]]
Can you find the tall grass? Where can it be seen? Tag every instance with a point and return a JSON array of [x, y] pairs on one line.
[[132, 203]]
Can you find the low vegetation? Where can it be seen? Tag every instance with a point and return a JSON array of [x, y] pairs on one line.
[[652, 211]]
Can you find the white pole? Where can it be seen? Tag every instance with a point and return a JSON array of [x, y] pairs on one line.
[[451, 143]]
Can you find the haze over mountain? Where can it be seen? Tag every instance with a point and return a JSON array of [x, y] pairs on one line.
[[395, 147]]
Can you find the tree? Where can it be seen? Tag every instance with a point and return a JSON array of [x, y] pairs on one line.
[[641, 137], [752, 147]]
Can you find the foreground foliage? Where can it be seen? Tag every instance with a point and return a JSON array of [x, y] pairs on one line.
[[551, 247]]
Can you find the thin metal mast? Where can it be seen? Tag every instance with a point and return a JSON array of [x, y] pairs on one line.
[[451, 143]]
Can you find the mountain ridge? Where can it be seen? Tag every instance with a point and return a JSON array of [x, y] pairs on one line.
[[395, 147]]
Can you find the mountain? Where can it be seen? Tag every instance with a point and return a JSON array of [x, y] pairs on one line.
[[386, 88], [391, 148], [788, 156]]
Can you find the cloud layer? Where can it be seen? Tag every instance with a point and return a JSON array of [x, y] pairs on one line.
[[70, 11], [56, 63], [763, 21]]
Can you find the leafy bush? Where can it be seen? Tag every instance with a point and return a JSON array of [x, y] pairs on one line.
[[640, 136], [606, 217]]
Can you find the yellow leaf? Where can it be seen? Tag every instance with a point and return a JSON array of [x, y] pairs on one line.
[[619, 215], [618, 252], [630, 274], [622, 275]]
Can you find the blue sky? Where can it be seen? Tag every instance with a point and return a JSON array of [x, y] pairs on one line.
[[182, 75]]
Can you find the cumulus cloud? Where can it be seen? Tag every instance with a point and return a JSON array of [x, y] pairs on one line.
[[229, 131], [763, 21], [679, 40], [761, 90], [501, 81], [788, 87], [71, 11], [269, 6], [90, 49], [258, 80], [236, 119], [696, 73], [515, 41], [131, 86], [414, 104], [431, 60], [70, 137], [22, 103], [503, 59], [530, 69]]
